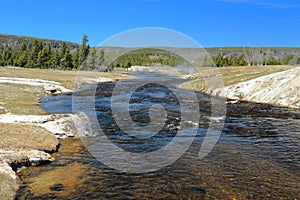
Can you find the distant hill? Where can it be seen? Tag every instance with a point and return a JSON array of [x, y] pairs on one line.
[[14, 42], [193, 54]]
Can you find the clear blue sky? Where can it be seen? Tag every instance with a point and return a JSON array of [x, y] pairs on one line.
[[210, 22]]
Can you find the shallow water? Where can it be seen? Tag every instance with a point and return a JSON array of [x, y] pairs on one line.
[[257, 155]]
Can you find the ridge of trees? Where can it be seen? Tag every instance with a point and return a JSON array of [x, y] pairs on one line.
[[147, 57], [14, 42], [253, 56]]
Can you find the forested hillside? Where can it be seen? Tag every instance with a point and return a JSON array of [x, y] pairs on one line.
[[15, 42], [40, 53]]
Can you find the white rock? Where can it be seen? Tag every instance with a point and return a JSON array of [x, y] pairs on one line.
[[6, 169], [47, 85], [280, 88], [11, 118]]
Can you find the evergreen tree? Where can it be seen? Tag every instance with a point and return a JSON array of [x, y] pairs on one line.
[[91, 59], [55, 59], [273, 61], [239, 61], [33, 54], [84, 49], [1, 59], [76, 59], [63, 49], [7, 54], [21, 56], [67, 62], [218, 60], [23, 48], [287, 60], [43, 58], [21, 61], [100, 58]]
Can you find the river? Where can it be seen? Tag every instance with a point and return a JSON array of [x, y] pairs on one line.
[[257, 154]]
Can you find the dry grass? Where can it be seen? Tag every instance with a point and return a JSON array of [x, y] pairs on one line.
[[17, 135], [66, 78], [21, 99], [233, 75], [230, 76], [8, 187]]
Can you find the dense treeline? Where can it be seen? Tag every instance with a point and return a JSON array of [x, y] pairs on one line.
[[147, 57], [253, 57], [40, 55]]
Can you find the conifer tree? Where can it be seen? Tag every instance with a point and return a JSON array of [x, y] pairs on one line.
[[67, 62], [84, 49]]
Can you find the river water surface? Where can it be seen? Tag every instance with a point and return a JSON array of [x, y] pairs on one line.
[[257, 155]]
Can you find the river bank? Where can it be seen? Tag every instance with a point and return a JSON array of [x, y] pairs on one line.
[[27, 140], [281, 89]]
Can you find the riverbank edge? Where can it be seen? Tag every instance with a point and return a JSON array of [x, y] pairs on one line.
[[279, 89], [60, 125]]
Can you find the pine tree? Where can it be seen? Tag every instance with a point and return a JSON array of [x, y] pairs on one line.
[[33, 54], [23, 48], [273, 61], [43, 58], [22, 59], [55, 59], [84, 49], [91, 59], [100, 58], [218, 60], [63, 49], [76, 60], [67, 62], [1, 59]]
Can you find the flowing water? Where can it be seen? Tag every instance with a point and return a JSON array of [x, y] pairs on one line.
[[257, 155]]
